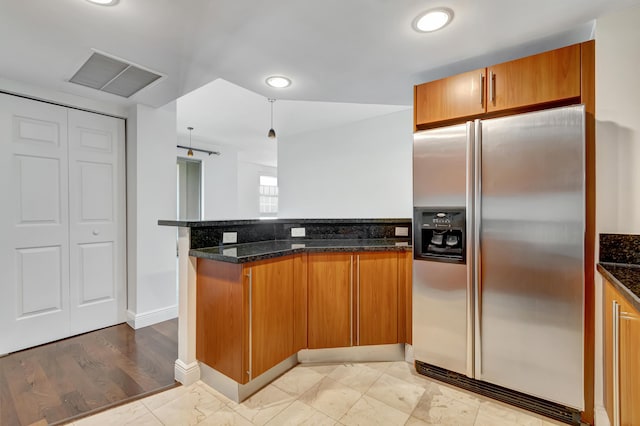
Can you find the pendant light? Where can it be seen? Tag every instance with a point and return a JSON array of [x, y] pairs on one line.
[[190, 152], [272, 133]]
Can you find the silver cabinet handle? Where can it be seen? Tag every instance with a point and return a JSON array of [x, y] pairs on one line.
[[351, 301], [358, 300], [481, 89], [96, 232], [616, 364], [250, 371]]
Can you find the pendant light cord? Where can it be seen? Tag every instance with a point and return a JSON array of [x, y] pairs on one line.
[[271, 101]]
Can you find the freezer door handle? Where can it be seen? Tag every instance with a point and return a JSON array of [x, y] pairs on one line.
[[477, 249], [470, 279]]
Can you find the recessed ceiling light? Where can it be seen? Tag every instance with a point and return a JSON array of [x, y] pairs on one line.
[[278, 81], [104, 2], [432, 20]]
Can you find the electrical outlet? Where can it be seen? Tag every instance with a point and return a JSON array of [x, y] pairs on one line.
[[232, 252], [402, 231], [297, 232], [229, 237]]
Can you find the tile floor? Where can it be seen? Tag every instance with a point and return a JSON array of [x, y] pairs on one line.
[[383, 393]]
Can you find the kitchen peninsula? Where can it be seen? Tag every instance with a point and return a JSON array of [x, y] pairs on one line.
[[258, 296]]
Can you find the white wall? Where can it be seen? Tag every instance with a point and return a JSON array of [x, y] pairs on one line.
[[360, 170], [249, 188], [219, 179], [618, 122], [617, 147], [151, 195], [229, 185]]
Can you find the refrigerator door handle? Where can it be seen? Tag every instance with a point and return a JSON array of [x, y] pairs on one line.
[[477, 253], [470, 246]]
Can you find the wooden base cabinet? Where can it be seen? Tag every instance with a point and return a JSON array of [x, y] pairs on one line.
[[622, 359], [245, 316], [358, 298], [252, 316]]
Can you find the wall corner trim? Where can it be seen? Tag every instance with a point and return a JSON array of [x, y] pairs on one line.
[[187, 373], [145, 319]]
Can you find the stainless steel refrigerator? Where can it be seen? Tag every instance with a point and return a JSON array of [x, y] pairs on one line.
[[498, 271]]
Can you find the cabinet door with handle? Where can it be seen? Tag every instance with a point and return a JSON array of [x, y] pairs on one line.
[[376, 298], [608, 309], [543, 78], [629, 365], [271, 313], [458, 96], [621, 359]]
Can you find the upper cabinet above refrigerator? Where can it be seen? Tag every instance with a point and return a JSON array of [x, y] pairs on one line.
[[461, 95], [546, 79]]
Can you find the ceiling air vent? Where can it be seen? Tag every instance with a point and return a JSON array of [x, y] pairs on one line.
[[113, 75]]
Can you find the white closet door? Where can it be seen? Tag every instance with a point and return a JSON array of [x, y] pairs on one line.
[[97, 221], [34, 227]]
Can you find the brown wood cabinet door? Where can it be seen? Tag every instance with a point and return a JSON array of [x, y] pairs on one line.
[[221, 312], [330, 282], [377, 298], [547, 77], [458, 96], [629, 365], [271, 322], [609, 297]]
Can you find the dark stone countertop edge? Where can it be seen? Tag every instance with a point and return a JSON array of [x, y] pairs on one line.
[[608, 272], [198, 253], [220, 223]]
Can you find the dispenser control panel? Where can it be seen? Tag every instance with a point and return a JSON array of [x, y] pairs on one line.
[[440, 234]]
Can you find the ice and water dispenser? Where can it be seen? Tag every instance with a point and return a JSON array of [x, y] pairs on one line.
[[439, 234]]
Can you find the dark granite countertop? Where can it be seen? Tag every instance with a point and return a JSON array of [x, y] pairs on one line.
[[626, 279], [223, 223], [251, 252]]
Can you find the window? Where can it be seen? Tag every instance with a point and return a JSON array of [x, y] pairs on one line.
[[268, 195]]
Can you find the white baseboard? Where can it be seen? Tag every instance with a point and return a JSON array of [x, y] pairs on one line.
[[186, 373], [145, 319], [600, 416]]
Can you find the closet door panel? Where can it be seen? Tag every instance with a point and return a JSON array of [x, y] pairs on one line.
[[97, 218], [34, 227]]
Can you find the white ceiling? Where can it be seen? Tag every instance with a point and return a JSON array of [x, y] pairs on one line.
[[224, 114], [344, 51]]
